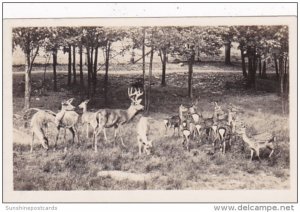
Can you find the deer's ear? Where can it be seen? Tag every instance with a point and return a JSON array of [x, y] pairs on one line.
[[70, 100], [138, 102], [87, 101]]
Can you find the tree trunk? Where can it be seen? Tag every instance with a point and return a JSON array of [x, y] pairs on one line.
[[286, 78], [259, 67], [252, 66], [80, 68], [243, 63], [69, 66], [276, 66], [28, 68], [164, 64], [281, 77], [143, 67], [190, 76], [107, 53], [54, 55], [150, 77], [95, 71], [264, 70], [74, 65], [281, 74], [227, 52], [27, 82], [89, 71]]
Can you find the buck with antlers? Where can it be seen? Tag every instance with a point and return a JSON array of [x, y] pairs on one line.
[[107, 118]]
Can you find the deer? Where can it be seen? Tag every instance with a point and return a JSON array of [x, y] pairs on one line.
[[226, 127], [67, 118], [89, 118], [187, 131], [108, 118], [39, 124], [210, 122], [257, 143], [143, 129], [194, 120], [172, 122]]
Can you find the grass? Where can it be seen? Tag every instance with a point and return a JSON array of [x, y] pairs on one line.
[[171, 166]]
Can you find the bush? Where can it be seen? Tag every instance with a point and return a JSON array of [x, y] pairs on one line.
[[76, 163]]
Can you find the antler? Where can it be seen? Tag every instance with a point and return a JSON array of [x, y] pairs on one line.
[[131, 94], [134, 94], [138, 94]]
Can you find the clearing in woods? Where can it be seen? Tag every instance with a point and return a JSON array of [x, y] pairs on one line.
[[169, 166]]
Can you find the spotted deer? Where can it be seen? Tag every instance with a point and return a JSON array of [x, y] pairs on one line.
[[107, 118], [256, 143], [194, 120], [172, 122]]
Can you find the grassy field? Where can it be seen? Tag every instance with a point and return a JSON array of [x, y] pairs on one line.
[[170, 166]]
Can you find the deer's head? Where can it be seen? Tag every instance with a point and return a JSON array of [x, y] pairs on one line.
[[45, 143], [218, 110], [83, 104], [67, 106], [134, 95], [147, 146], [241, 129]]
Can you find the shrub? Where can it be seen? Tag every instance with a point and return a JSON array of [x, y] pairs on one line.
[[76, 163]]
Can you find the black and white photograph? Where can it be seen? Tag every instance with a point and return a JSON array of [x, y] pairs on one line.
[[177, 104]]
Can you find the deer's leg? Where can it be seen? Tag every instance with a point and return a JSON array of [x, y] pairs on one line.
[[140, 145], [76, 133], [104, 133], [252, 151], [122, 142], [95, 138], [65, 134], [57, 136], [257, 152], [224, 147], [87, 130], [97, 131], [271, 153], [73, 134], [166, 132], [46, 129], [31, 148], [45, 139]]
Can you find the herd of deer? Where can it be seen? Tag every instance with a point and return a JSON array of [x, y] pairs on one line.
[[219, 129]]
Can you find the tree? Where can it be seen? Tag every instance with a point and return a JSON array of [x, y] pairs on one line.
[[186, 40], [92, 39], [250, 39], [29, 39], [227, 34], [111, 35], [70, 36], [162, 37], [281, 49]]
